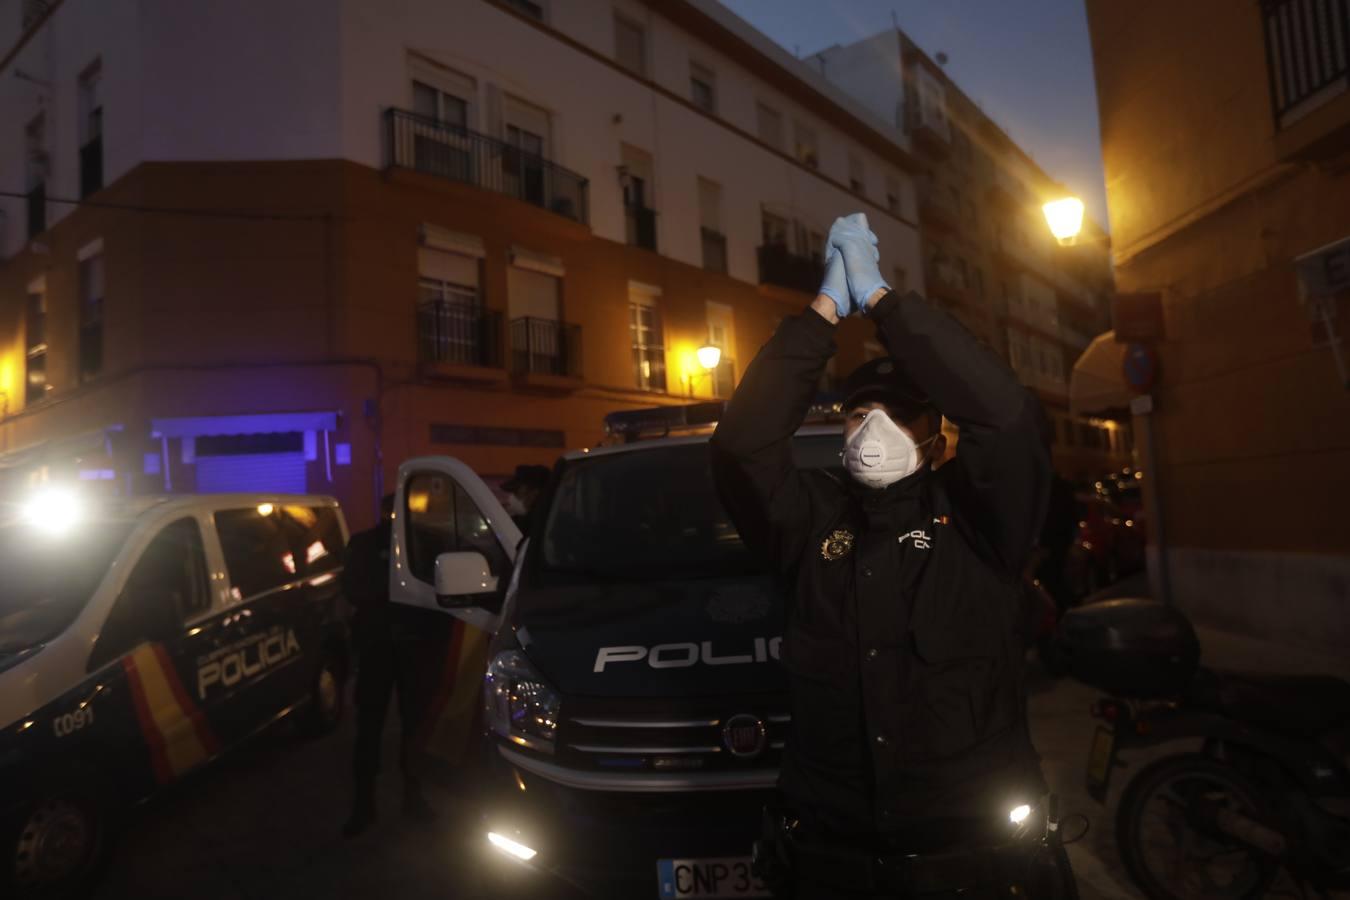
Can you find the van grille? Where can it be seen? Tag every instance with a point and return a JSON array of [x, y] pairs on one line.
[[692, 738]]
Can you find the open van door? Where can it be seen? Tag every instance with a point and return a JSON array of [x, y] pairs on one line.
[[454, 550]]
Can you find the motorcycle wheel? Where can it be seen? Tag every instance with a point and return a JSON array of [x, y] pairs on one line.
[[1169, 850]]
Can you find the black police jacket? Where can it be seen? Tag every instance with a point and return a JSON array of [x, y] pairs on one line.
[[901, 631]]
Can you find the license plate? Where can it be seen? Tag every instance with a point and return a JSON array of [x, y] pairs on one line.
[[1100, 762], [726, 877]]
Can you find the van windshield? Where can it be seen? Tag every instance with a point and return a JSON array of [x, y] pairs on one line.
[[45, 581], [651, 515]]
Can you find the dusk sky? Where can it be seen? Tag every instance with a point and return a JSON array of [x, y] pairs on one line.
[[1028, 63]]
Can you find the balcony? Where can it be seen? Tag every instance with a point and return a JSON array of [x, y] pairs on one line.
[[930, 129], [91, 167], [546, 353], [454, 339], [1005, 191], [1308, 64], [937, 209], [781, 267], [640, 225], [37, 210], [458, 154], [714, 250], [944, 281]]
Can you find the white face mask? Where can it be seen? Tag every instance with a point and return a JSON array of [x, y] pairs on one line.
[[880, 452]]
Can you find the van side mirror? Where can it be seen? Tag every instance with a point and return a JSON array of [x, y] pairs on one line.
[[464, 580]]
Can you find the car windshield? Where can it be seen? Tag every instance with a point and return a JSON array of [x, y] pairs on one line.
[[651, 515], [45, 581]]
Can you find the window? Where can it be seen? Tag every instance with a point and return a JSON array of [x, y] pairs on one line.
[[722, 333], [703, 88], [630, 45], [710, 226], [805, 145], [638, 197], [442, 518], [35, 174], [317, 533], [258, 553], [769, 125], [893, 194], [167, 585], [91, 313], [775, 229], [449, 308], [856, 181], [35, 339], [649, 348], [433, 103], [90, 129], [539, 340]]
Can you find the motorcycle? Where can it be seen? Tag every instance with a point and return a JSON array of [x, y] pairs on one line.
[[1269, 790]]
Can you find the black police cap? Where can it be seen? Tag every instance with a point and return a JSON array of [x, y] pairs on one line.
[[883, 380]]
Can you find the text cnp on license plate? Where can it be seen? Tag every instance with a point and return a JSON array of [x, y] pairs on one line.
[[711, 878]]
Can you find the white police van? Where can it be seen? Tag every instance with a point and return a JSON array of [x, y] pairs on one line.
[[632, 712], [141, 639]]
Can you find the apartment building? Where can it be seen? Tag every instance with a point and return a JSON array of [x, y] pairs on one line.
[[988, 256], [1225, 134], [265, 246]]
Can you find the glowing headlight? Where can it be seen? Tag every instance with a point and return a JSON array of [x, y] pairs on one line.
[[54, 510], [520, 705], [515, 848], [1019, 814]]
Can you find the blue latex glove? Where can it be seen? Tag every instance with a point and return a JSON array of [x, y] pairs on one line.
[[835, 285], [858, 246]]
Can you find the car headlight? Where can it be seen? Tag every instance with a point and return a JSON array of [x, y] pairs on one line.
[[520, 705]]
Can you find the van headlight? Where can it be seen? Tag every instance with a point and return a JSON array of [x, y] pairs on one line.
[[520, 705]]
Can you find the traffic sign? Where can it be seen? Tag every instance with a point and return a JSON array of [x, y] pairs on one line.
[[1141, 368]]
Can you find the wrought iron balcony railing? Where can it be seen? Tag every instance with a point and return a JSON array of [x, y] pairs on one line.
[[449, 151]]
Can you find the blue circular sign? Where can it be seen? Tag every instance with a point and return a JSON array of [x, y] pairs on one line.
[[1140, 367]]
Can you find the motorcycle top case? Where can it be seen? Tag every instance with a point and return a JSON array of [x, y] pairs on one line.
[[1130, 647]]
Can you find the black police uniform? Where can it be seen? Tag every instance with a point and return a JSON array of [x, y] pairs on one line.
[[391, 642], [901, 637]]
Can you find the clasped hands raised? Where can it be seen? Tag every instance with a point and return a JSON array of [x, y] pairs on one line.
[[851, 273]]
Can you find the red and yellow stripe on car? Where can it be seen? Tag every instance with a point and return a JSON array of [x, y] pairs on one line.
[[176, 732]]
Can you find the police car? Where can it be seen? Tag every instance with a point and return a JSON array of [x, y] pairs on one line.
[[634, 710], [138, 642]]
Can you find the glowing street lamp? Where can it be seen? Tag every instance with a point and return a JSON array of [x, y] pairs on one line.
[[1065, 218], [709, 356]]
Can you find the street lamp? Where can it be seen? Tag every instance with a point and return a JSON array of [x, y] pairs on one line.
[[1065, 218], [709, 356]]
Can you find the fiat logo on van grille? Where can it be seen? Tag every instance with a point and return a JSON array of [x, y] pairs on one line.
[[744, 736]]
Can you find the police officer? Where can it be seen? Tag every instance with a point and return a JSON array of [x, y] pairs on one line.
[[910, 771], [523, 491], [390, 644]]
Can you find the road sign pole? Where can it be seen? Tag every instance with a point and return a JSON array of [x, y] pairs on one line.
[[1142, 407]]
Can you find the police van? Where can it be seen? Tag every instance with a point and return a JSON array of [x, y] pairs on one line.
[[634, 710], [141, 639]]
